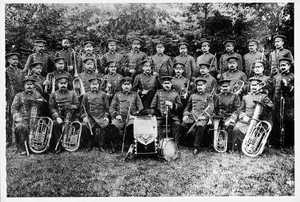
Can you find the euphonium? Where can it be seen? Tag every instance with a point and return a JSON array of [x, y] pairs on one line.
[[72, 134], [257, 133], [40, 132], [237, 87], [220, 137]]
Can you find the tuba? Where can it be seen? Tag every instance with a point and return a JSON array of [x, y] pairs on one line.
[[237, 87], [220, 136], [257, 133], [71, 134], [40, 132]]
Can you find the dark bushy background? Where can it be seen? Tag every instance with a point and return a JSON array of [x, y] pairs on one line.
[[168, 22]]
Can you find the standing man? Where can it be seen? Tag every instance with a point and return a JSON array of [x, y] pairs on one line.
[[187, 60], [39, 55], [211, 82], [133, 60], [206, 58], [14, 84], [283, 131], [279, 52], [229, 52], [111, 55], [163, 65], [88, 52], [252, 56], [68, 54]]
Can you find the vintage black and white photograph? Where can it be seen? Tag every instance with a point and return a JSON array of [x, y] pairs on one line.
[[149, 99]]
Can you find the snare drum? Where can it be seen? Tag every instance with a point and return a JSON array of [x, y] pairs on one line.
[[145, 129]]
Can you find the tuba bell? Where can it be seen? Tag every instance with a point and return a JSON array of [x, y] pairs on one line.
[[71, 134], [257, 133], [220, 136], [40, 132]]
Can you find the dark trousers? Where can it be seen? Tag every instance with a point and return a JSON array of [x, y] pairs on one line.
[[56, 132], [22, 134]]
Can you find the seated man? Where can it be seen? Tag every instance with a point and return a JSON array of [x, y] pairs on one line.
[[198, 112], [124, 104], [247, 108], [166, 102], [22, 109]]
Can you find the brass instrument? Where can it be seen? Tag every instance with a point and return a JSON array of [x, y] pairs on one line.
[[257, 133], [184, 92], [71, 134], [237, 87], [50, 87], [220, 136], [77, 82], [200, 120]]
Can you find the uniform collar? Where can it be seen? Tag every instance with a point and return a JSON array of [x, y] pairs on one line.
[[232, 71], [28, 92], [204, 75], [135, 51], [178, 77], [112, 52], [160, 54]]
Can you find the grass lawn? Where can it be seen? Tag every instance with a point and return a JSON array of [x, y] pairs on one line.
[[101, 174]]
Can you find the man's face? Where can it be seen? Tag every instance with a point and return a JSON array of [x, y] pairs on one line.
[[160, 48], [167, 85], [147, 67], [65, 43], [88, 47], [126, 86], [225, 88], [183, 50], [258, 68], [229, 47], [60, 64], [89, 65], [205, 47], [200, 86], [278, 42], [29, 86], [252, 47], [136, 45], [94, 85], [178, 70], [13, 60], [62, 84], [284, 66], [232, 64], [37, 69], [203, 69], [39, 47], [112, 46], [112, 68]]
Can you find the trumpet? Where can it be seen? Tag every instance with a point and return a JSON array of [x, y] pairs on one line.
[[257, 133]]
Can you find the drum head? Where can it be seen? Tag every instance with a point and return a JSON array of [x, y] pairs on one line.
[[169, 149], [145, 129]]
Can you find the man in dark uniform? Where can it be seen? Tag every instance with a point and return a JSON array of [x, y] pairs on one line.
[[88, 51], [14, 84], [199, 109], [68, 54], [21, 112], [279, 52], [186, 59], [95, 114], [123, 105], [163, 65], [133, 60], [111, 82], [146, 84], [229, 52], [63, 104], [89, 70], [252, 56], [246, 111], [166, 102], [111, 55], [283, 131], [39, 55], [226, 105], [234, 74], [206, 58], [211, 82]]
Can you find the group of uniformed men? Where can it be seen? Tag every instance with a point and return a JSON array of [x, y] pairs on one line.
[[187, 90]]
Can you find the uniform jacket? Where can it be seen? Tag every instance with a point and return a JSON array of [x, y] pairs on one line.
[[179, 83], [48, 64], [223, 64], [14, 82], [111, 56], [114, 80], [226, 104], [249, 59], [276, 54], [206, 58], [163, 64], [190, 64], [197, 103], [145, 81], [211, 82], [85, 55], [133, 60], [85, 76]]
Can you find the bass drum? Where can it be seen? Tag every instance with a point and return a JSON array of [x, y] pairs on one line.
[[168, 149]]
